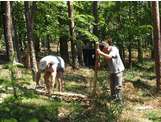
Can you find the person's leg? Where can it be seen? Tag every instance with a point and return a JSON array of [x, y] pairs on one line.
[[49, 77], [38, 75], [48, 82], [112, 85], [60, 80], [118, 86], [53, 75]]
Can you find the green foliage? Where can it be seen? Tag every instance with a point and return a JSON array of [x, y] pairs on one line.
[[12, 67], [154, 116], [19, 21], [28, 112], [89, 36], [46, 19]]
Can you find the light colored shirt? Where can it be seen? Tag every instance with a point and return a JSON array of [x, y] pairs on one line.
[[56, 60], [115, 64]]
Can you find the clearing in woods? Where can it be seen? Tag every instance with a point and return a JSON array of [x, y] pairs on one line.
[[141, 102]]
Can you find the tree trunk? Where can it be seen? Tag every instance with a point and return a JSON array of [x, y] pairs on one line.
[[37, 45], [35, 37], [129, 38], [80, 52], [72, 36], [156, 24], [152, 47], [48, 43], [29, 25], [64, 48], [140, 41], [7, 25], [17, 46], [95, 14], [130, 56], [140, 51]]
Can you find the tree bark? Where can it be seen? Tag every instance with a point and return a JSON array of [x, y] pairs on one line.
[[156, 24], [95, 14], [63, 40], [16, 41], [129, 38], [72, 36], [140, 51], [64, 48], [130, 56], [36, 39], [7, 25], [140, 41], [80, 52], [29, 24]]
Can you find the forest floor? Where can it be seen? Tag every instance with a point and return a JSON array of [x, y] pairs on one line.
[[141, 101]]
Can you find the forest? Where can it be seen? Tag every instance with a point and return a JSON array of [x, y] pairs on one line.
[[31, 30]]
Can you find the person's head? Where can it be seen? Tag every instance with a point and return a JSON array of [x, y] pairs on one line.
[[107, 43], [108, 40]]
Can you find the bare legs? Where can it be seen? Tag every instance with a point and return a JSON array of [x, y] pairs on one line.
[[60, 77]]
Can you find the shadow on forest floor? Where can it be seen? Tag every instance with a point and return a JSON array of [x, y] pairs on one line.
[[144, 89], [30, 107], [75, 77], [15, 110]]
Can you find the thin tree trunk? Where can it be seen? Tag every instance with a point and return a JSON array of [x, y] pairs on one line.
[[130, 56], [64, 48], [80, 52], [156, 24], [95, 14], [72, 36], [140, 41], [63, 42], [48, 43], [37, 45], [7, 25], [129, 38], [152, 47], [16, 40], [36, 39], [140, 51], [29, 25]]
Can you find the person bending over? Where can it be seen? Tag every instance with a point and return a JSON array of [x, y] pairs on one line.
[[116, 67], [53, 67]]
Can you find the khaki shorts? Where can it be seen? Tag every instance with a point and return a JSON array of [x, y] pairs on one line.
[[117, 79]]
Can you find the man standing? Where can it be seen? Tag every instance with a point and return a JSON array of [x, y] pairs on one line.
[[53, 66], [116, 67]]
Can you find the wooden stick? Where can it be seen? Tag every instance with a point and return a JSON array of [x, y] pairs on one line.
[[95, 70]]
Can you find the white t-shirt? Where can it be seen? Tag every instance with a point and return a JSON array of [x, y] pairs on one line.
[[115, 64], [56, 60]]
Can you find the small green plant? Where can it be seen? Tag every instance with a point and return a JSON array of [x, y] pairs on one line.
[[154, 116], [13, 67]]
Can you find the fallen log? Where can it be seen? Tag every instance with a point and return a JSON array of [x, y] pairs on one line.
[[67, 96]]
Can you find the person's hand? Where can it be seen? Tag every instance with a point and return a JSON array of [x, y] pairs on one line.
[[97, 65], [98, 51]]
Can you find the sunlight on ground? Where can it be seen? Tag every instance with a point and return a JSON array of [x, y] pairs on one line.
[[141, 103]]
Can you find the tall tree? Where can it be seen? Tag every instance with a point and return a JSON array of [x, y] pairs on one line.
[[63, 28], [29, 24], [7, 25], [95, 14], [156, 24], [130, 37], [16, 41], [72, 35]]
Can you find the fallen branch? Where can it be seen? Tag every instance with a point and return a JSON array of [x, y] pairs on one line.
[[68, 96]]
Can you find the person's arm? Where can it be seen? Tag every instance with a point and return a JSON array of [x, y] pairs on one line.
[[107, 56]]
